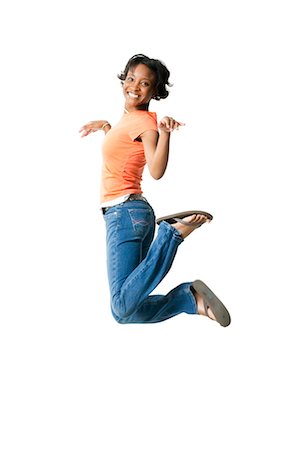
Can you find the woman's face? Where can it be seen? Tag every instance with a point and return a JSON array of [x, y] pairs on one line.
[[139, 87]]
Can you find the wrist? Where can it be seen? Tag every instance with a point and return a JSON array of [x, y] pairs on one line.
[[106, 124], [164, 134]]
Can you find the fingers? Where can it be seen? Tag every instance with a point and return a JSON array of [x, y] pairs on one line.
[[177, 125], [169, 124], [86, 126], [85, 131], [90, 127]]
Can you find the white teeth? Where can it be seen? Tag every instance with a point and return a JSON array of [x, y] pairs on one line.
[[130, 94]]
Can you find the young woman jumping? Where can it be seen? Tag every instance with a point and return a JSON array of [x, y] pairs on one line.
[[136, 261]]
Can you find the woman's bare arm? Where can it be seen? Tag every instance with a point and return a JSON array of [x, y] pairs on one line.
[[156, 146]]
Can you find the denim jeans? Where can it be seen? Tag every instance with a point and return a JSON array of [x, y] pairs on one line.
[[137, 264]]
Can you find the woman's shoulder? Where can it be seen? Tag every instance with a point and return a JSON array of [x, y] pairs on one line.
[[152, 114], [147, 115], [139, 117]]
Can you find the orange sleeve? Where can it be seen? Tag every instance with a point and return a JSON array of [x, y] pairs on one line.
[[139, 127]]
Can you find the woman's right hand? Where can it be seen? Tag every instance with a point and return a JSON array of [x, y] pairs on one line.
[[93, 126]]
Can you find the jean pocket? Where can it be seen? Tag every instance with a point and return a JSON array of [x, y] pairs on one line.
[[142, 220], [110, 216]]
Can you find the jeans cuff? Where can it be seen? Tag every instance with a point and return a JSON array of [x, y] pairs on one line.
[[176, 234]]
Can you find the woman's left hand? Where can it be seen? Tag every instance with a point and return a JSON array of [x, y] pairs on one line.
[[169, 124]]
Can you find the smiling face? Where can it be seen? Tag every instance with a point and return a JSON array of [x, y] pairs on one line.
[[139, 87]]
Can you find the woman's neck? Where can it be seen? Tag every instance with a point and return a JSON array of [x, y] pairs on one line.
[[129, 109]]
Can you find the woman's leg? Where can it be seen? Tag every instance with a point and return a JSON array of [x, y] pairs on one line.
[[136, 265], [156, 308]]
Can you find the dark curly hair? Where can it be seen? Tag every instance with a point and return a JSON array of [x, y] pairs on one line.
[[156, 66]]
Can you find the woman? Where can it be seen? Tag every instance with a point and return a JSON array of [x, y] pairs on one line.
[[137, 263]]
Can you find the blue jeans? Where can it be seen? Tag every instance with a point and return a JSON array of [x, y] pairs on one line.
[[137, 264]]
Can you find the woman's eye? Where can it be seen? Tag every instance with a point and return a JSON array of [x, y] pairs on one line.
[[129, 79]]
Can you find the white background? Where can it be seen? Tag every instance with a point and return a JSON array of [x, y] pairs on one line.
[[71, 377]]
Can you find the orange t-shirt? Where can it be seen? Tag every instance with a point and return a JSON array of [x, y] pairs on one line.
[[123, 156]]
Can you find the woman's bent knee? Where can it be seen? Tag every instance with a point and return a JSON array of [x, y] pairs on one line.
[[120, 316]]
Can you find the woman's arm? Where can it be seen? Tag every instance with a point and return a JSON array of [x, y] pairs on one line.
[[95, 125], [156, 146]]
